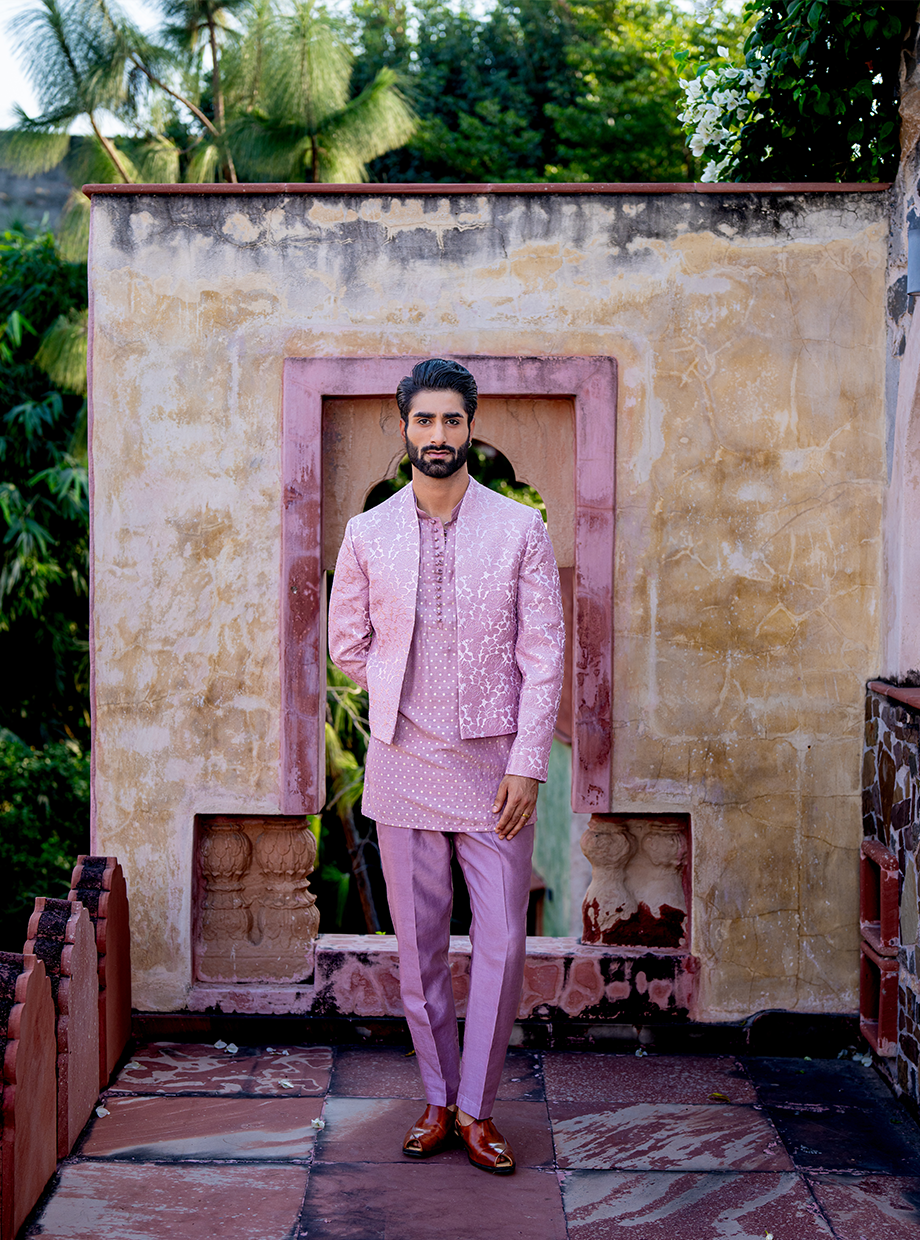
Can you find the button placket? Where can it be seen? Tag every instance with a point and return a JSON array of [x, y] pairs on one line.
[[440, 544]]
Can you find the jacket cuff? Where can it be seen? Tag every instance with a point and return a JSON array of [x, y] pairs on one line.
[[528, 766]]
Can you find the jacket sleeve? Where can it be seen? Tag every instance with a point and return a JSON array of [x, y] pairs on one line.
[[539, 653], [350, 630]]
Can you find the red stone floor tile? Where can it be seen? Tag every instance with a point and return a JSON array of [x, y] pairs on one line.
[[431, 1200], [181, 1067], [869, 1207], [573, 1076], [377, 1072], [868, 1137], [204, 1128], [822, 1082], [121, 1201], [660, 1137], [656, 1205], [392, 1072], [371, 1130], [302, 1072]]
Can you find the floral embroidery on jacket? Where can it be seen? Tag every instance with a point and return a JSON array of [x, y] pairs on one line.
[[511, 635]]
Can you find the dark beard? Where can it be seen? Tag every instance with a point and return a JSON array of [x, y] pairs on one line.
[[438, 469]]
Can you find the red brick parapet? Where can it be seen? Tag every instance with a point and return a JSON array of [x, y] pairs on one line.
[[54, 1031], [99, 884], [61, 935], [28, 1098]]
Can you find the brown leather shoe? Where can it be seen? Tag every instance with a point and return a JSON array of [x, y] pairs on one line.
[[486, 1148], [431, 1133]]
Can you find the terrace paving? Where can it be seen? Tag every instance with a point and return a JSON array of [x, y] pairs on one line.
[[283, 1143]]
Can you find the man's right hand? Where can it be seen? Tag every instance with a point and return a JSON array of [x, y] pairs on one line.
[[516, 799]]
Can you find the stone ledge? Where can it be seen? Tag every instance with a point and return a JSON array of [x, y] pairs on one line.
[[773, 1032], [358, 975], [909, 697]]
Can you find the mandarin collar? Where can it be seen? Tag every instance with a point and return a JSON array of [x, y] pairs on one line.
[[455, 512]]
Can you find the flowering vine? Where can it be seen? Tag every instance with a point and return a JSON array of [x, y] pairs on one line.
[[816, 98], [718, 103]]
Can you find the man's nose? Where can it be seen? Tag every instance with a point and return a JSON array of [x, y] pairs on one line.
[[438, 432]]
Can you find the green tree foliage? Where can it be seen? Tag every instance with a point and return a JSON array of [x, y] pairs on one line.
[[292, 114], [539, 89], [815, 100], [251, 82], [43, 495], [830, 108], [623, 124], [192, 26], [348, 879], [44, 826]]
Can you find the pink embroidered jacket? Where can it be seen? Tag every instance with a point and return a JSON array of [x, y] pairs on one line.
[[510, 632]]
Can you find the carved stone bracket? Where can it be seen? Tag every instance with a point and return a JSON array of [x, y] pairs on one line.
[[639, 890], [224, 854], [256, 916], [287, 911]]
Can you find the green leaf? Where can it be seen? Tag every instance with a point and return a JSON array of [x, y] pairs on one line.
[[63, 351], [31, 153]]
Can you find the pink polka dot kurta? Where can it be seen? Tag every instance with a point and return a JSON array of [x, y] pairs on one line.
[[429, 778]]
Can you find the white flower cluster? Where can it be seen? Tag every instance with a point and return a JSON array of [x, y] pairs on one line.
[[718, 102]]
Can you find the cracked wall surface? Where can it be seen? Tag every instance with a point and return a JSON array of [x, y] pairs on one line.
[[750, 337]]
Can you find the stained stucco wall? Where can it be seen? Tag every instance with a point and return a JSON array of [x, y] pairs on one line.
[[749, 333]]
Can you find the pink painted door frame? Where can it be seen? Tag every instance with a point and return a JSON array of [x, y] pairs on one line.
[[591, 382]]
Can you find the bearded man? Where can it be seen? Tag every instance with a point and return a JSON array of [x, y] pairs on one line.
[[445, 606]]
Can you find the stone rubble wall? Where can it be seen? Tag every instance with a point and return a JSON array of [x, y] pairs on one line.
[[891, 816]]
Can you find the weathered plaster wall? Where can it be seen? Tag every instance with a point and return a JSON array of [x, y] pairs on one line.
[[901, 574], [749, 333]]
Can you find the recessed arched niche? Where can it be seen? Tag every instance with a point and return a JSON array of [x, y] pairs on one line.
[[554, 418], [363, 444]]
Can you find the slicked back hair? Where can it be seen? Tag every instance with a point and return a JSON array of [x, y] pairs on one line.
[[437, 375]]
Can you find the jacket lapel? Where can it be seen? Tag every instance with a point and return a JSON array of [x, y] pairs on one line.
[[468, 546], [403, 556]]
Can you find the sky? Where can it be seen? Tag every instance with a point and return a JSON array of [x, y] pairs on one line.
[[15, 86]]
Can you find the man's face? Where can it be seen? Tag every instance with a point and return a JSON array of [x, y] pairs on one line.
[[437, 434]]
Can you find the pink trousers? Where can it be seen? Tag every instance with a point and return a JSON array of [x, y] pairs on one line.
[[416, 865]]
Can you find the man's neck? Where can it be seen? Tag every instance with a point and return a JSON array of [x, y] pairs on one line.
[[440, 496]]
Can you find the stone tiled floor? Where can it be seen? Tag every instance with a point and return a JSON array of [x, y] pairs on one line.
[[284, 1143]]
